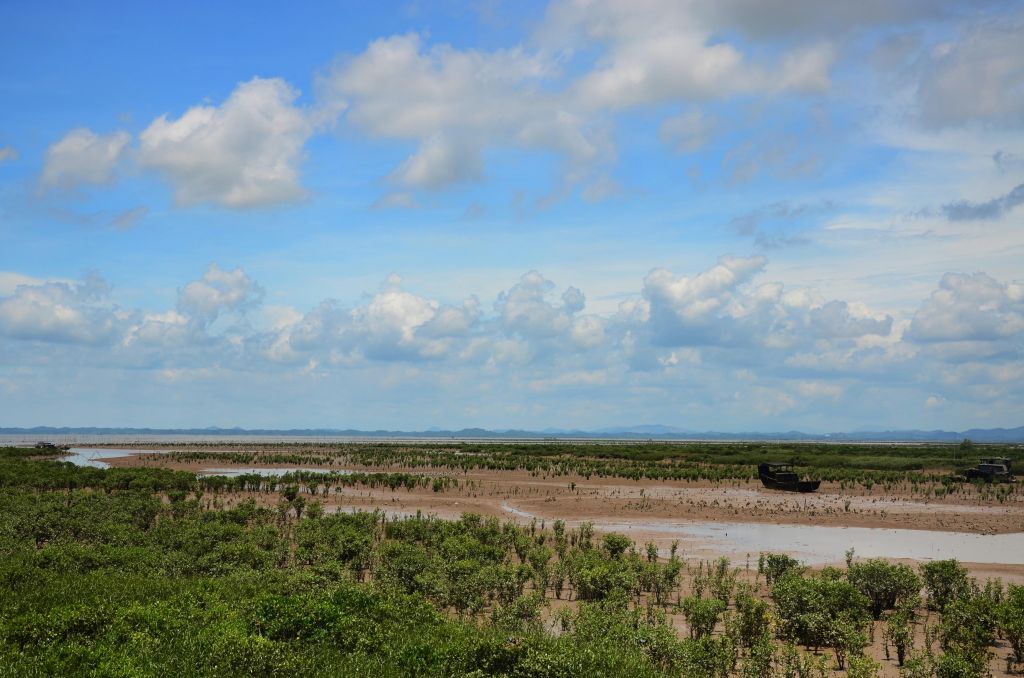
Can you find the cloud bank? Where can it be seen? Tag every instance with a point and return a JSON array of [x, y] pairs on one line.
[[725, 328]]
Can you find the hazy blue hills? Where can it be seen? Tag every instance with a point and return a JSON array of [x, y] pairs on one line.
[[638, 432]]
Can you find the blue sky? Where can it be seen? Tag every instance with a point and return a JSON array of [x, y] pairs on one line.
[[735, 216]]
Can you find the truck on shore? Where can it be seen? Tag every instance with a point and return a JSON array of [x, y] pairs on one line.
[[992, 470]]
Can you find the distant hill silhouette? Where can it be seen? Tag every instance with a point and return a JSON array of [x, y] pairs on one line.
[[638, 432]]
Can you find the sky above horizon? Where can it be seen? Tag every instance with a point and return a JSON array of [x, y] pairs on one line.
[[736, 216]]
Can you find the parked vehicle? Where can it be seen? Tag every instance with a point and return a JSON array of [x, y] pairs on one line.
[[991, 469], [778, 475]]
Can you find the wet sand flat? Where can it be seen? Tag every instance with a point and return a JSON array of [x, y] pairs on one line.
[[733, 518]]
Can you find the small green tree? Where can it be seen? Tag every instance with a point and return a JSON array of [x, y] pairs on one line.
[[616, 544], [774, 565], [968, 625], [899, 634], [945, 581], [811, 607], [885, 584], [298, 504], [793, 663], [702, 614], [863, 667], [521, 614], [962, 665], [584, 535], [920, 665], [759, 660], [753, 619], [315, 510], [290, 492], [708, 657], [722, 580], [846, 637], [666, 580], [1010, 618], [561, 544]]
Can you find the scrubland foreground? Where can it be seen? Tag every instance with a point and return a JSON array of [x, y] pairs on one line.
[[142, 571]]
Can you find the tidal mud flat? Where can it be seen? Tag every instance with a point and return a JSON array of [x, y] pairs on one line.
[[736, 518]]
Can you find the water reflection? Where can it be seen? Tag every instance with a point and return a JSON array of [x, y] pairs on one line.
[[94, 456], [819, 544]]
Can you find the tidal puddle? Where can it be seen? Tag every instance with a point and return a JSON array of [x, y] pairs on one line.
[[819, 544], [94, 456]]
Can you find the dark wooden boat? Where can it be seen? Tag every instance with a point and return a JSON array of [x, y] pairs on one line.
[[777, 475]]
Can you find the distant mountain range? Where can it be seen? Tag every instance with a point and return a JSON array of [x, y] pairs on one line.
[[638, 432]]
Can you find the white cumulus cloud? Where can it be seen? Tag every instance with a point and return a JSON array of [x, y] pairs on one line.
[[244, 153], [455, 104], [970, 307], [63, 312], [218, 291], [655, 51], [83, 157]]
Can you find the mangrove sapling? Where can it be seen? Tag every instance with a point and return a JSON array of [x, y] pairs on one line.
[[702, 615], [968, 625], [722, 580], [899, 635], [863, 667], [958, 664], [885, 584], [774, 565], [846, 637], [945, 582], [616, 544], [753, 619], [760, 659], [1010, 617], [920, 664]]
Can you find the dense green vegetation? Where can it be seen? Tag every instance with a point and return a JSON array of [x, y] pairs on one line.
[[926, 469], [137, 572]]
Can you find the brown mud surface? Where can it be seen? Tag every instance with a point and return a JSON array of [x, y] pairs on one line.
[[574, 498]]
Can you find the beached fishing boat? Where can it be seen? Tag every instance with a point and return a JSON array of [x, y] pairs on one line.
[[777, 475]]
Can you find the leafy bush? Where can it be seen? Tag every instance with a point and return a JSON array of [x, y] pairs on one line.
[[774, 565], [817, 611], [885, 584], [900, 635], [968, 625], [702, 614], [616, 544], [945, 581], [1010, 617]]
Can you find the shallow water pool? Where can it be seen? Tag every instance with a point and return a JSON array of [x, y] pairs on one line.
[[821, 544]]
